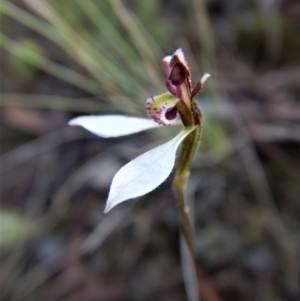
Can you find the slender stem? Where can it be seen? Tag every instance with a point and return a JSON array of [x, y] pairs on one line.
[[188, 150], [185, 159], [179, 183], [186, 228], [180, 180]]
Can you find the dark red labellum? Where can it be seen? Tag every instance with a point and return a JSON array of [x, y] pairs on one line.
[[177, 75]]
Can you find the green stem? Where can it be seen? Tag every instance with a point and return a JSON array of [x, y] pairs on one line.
[[188, 150], [180, 180], [179, 183], [185, 159], [186, 228]]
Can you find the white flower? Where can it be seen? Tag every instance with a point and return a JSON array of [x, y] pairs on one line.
[[146, 172], [142, 174]]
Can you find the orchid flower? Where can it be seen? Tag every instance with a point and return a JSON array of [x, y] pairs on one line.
[[146, 172]]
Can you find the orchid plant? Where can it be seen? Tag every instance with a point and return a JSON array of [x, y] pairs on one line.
[[176, 106], [149, 170]]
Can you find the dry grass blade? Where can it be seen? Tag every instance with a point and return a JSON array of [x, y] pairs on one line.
[[144, 43], [50, 67]]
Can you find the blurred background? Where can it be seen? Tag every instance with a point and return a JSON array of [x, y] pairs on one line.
[[64, 58]]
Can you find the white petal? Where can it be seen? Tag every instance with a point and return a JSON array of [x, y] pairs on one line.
[[167, 59], [166, 64], [144, 173], [205, 77], [179, 53], [113, 125]]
